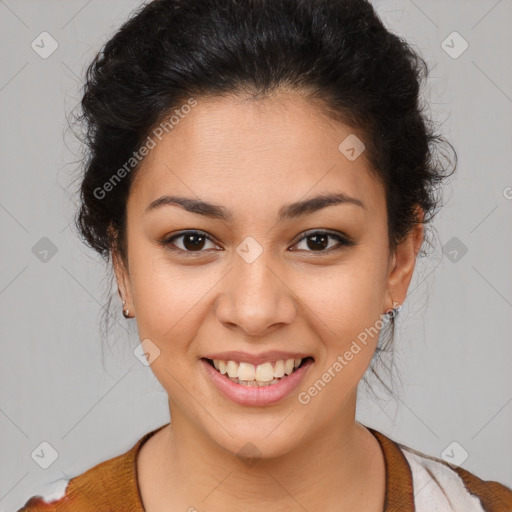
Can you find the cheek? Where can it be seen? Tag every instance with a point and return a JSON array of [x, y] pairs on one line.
[[348, 320], [346, 299], [172, 302], [163, 293]]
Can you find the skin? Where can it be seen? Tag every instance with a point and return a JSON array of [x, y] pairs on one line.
[[254, 157]]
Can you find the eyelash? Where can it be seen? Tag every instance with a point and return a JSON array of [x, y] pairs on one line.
[[167, 242]]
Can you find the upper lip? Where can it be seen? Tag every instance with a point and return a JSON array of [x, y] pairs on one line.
[[272, 355]]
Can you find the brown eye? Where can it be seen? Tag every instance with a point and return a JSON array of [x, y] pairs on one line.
[[318, 241], [192, 241]]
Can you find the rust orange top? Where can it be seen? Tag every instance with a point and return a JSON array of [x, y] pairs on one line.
[[415, 482]]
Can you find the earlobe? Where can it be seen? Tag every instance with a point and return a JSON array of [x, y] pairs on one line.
[[123, 288], [120, 272]]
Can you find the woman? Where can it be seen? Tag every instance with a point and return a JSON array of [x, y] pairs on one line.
[[260, 176]]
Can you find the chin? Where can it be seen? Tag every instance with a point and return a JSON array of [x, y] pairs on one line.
[[256, 438]]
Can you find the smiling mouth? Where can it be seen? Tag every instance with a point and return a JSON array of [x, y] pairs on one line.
[[265, 374]]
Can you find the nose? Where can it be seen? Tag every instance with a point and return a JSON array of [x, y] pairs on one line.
[[256, 298]]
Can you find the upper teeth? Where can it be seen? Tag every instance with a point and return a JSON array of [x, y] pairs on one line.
[[262, 372]]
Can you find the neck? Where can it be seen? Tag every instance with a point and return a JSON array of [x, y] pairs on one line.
[[332, 467]]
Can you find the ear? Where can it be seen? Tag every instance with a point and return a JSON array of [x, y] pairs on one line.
[[120, 271], [404, 259]]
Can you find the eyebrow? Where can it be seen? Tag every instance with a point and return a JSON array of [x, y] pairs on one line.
[[289, 211]]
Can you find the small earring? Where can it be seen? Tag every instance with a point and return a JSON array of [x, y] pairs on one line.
[[392, 313], [126, 312]]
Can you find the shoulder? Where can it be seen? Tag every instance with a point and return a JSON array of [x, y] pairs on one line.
[[106, 486], [95, 489], [441, 486], [416, 482]]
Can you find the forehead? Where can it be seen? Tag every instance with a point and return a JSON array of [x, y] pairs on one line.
[[245, 152]]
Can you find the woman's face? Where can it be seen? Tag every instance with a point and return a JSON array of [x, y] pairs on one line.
[[249, 283]]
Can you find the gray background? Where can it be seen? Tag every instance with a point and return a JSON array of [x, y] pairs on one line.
[[454, 334]]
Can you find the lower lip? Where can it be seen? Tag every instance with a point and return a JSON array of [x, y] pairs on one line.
[[256, 395]]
